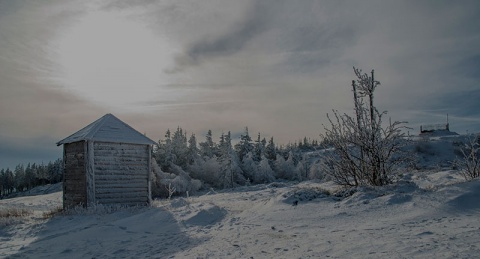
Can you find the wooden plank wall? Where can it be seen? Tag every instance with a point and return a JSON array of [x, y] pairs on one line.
[[121, 173], [90, 173], [74, 181]]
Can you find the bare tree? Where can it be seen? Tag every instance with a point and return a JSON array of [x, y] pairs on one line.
[[364, 152], [170, 189], [470, 162]]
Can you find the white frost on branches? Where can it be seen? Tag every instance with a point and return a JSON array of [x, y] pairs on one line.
[[364, 151]]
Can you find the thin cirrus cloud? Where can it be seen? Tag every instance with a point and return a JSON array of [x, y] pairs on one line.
[[275, 66]]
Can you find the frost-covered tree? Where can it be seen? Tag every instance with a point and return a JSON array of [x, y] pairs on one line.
[[306, 144], [259, 148], [291, 172], [20, 182], [469, 163], [207, 171], [193, 151], [315, 171], [365, 152], [3, 183], [207, 148], [230, 169], [249, 166], [279, 166], [41, 175], [30, 176], [172, 150], [285, 168], [7, 182], [163, 152], [264, 173], [177, 180], [244, 146], [226, 161], [301, 171], [55, 170], [180, 147], [270, 150]]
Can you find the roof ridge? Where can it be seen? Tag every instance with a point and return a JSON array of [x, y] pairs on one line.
[[128, 126], [97, 127], [94, 132]]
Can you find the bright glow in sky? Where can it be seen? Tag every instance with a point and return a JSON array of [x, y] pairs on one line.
[[113, 60], [275, 66]]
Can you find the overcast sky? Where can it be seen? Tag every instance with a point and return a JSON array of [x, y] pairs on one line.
[[275, 66]]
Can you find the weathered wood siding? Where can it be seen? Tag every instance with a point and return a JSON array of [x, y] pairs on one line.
[[121, 173], [74, 180]]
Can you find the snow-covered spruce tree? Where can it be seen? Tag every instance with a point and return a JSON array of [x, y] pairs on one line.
[[271, 150], [163, 152], [315, 171], [364, 151], [180, 147], [259, 148], [193, 151], [244, 146], [285, 169], [208, 171], [207, 148], [469, 163], [230, 170], [264, 173], [249, 166]]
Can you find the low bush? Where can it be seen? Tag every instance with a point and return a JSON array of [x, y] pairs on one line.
[[9, 216]]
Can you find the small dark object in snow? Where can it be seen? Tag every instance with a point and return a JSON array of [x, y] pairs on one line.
[[273, 227], [295, 203]]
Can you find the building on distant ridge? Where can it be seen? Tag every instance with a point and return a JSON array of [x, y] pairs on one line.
[[436, 129]]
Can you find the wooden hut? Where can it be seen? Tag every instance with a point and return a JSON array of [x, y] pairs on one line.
[[107, 162]]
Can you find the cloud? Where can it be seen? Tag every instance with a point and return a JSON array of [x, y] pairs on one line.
[[275, 66], [296, 31], [294, 59], [230, 42]]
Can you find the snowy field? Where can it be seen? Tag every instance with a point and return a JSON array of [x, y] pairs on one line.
[[426, 215]]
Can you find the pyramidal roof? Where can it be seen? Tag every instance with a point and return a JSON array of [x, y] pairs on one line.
[[108, 129]]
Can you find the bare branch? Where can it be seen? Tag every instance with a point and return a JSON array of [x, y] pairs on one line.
[[364, 152]]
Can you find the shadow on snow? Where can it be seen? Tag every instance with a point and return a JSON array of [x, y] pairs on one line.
[[146, 232]]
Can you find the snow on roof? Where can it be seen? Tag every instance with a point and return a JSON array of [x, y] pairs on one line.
[[108, 129]]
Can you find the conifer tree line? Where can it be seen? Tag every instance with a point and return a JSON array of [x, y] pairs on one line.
[[189, 164], [362, 151], [24, 178]]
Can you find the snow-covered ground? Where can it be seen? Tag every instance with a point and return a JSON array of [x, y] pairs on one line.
[[431, 212], [426, 215]]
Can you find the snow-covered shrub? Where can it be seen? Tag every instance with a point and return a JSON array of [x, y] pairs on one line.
[[264, 173], [470, 158], [182, 182], [285, 169], [301, 171], [249, 166], [424, 147], [365, 152], [101, 209], [316, 172], [10, 216], [207, 171], [305, 194], [178, 179], [14, 212], [53, 212]]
